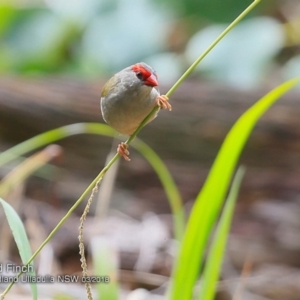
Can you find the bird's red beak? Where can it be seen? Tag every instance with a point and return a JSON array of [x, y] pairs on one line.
[[151, 80]]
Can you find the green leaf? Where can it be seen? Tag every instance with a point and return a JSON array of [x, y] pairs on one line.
[[216, 252], [154, 160], [20, 238], [169, 185], [105, 264], [210, 198], [256, 42], [52, 136], [7, 15]]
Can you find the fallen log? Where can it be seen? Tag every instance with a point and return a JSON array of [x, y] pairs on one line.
[[188, 138]]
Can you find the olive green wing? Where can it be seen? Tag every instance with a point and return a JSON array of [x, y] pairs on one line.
[[109, 86]]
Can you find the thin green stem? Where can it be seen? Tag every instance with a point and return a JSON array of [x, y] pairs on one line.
[[145, 121], [213, 44], [194, 65], [62, 221]]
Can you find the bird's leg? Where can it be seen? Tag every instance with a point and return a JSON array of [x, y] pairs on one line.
[[123, 151], [163, 102]]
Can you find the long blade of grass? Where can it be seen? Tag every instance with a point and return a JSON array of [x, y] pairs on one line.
[[209, 200], [21, 239], [52, 136], [105, 263], [169, 185], [214, 260], [27, 167], [14, 178], [158, 165]]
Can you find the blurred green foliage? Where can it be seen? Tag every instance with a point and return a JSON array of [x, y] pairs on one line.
[[211, 10], [90, 38], [78, 36]]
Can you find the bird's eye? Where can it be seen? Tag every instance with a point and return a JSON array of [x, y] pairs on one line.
[[139, 75]]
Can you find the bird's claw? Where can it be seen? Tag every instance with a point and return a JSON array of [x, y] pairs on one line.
[[123, 151], [163, 102]]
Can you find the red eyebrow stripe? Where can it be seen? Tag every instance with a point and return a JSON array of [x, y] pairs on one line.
[[138, 68]]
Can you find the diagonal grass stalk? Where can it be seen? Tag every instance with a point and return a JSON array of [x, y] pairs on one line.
[[145, 121]]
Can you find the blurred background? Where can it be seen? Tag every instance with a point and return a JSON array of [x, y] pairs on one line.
[[95, 38], [55, 57]]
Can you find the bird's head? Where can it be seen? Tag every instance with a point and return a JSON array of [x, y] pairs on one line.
[[145, 74]]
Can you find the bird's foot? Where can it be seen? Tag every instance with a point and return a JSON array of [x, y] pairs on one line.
[[163, 102], [123, 151]]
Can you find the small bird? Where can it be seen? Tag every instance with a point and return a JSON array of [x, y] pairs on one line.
[[128, 97]]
